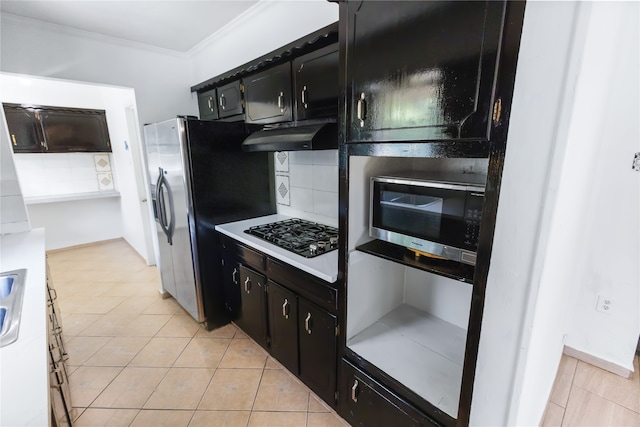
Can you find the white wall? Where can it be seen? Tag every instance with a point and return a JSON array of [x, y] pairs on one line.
[[265, 27], [160, 78], [573, 131], [98, 220], [13, 214]]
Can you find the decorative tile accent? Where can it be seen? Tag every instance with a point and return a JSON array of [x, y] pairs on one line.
[[281, 159], [102, 162], [105, 181], [283, 190]]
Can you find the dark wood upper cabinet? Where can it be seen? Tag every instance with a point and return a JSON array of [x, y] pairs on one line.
[[25, 131], [230, 100], [421, 70], [267, 95], [35, 129], [315, 77], [208, 105]]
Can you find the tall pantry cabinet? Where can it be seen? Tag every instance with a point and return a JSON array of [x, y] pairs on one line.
[[425, 86]]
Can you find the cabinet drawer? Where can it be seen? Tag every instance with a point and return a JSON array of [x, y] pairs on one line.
[[364, 402], [246, 255], [303, 284]]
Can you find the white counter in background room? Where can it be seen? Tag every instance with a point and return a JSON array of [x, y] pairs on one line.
[[323, 266], [24, 367]]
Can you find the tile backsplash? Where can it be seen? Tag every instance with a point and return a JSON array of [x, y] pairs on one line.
[[54, 174], [312, 179]]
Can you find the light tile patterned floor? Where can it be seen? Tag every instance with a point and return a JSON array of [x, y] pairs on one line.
[[137, 359], [584, 395]]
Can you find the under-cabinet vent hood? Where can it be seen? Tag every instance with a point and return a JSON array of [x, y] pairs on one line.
[[323, 136]]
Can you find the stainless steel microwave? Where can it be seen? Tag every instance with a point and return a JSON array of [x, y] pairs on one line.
[[436, 214]]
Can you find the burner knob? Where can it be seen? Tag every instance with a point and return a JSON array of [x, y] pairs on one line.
[[333, 241], [313, 248], [321, 246]]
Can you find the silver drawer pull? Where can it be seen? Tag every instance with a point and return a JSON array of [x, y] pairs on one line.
[[285, 309], [223, 104], [304, 97], [307, 323], [361, 109], [354, 391], [210, 102], [247, 285], [281, 102], [234, 276]]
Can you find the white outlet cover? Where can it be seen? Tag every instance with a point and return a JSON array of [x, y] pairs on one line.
[[604, 304]]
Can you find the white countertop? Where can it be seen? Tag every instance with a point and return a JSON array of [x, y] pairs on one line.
[[323, 266], [24, 367]]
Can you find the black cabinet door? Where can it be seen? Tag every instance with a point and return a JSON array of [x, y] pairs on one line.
[[363, 402], [421, 70], [24, 129], [208, 105], [231, 284], [315, 77], [252, 318], [267, 95], [230, 100], [317, 332], [283, 325]]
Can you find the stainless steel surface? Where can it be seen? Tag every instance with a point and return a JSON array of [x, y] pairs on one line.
[[168, 168], [444, 251], [11, 295], [461, 182]]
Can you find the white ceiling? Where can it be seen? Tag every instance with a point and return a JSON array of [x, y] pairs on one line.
[[174, 25]]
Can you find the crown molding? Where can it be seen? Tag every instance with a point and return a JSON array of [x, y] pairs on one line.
[[74, 32]]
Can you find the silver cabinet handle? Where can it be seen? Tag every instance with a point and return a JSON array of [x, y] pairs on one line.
[[304, 97], [285, 309], [210, 102], [234, 276], [307, 323], [247, 285], [223, 103], [281, 102], [354, 391], [361, 109]]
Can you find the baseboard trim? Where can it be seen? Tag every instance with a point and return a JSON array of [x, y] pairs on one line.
[[85, 245], [598, 362]]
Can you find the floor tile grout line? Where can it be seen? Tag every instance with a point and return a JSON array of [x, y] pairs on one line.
[[602, 397]]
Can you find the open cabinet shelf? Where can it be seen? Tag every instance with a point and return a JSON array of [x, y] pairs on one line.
[[402, 255], [423, 352]]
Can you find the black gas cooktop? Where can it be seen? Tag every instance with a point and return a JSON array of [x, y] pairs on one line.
[[305, 238]]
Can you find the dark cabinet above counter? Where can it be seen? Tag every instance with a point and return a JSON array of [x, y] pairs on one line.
[[298, 82]]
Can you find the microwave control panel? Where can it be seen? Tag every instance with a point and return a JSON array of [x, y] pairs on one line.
[[472, 218]]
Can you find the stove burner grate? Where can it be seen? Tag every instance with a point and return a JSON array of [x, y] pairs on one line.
[[305, 238]]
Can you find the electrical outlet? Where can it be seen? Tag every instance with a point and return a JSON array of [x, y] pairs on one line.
[[604, 304]]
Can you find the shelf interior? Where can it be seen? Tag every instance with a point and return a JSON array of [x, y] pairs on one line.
[[423, 352]]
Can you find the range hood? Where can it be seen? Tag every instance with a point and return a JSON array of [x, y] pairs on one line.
[[322, 136]]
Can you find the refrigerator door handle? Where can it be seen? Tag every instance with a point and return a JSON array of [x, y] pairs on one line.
[[162, 213], [172, 221]]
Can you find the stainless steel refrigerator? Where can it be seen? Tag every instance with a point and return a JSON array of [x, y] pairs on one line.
[[199, 177]]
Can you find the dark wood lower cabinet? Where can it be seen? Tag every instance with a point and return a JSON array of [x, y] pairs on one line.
[[252, 317], [283, 326], [364, 402], [289, 318], [317, 332]]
